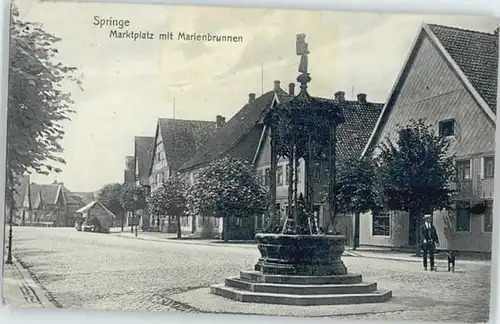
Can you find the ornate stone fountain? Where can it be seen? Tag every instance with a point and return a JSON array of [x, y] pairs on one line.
[[299, 265]]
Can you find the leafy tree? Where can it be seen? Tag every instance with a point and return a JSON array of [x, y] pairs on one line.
[[110, 196], [416, 172], [357, 191], [132, 198], [228, 187], [37, 103], [170, 200]]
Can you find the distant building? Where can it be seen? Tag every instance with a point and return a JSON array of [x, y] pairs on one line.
[[46, 204]]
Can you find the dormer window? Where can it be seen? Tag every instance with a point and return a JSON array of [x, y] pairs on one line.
[[447, 128]]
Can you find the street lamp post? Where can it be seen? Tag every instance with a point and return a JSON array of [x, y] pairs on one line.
[[9, 251]]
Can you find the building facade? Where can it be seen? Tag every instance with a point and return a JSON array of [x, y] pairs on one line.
[[175, 142], [443, 82], [239, 138]]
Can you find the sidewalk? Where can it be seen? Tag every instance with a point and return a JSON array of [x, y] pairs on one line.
[[20, 290], [399, 256], [172, 238]]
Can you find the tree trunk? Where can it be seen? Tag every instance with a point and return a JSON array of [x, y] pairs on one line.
[[225, 225], [179, 233], [356, 231], [123, 221]]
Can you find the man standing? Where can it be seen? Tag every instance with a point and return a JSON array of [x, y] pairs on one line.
[[429, 240]]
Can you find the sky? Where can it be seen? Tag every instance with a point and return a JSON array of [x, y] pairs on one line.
[[128, 85]]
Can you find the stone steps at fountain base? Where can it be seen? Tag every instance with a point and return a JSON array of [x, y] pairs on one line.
[[294, 289], [377, 296], [257, 276]]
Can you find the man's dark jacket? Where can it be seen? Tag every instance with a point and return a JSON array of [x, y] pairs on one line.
[[429, 234]]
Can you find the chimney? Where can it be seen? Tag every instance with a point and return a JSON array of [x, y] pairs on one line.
[[276, 85], [496, 31], [361, 97], [291, 89], [219, 121], [251, 97], [340, 96]]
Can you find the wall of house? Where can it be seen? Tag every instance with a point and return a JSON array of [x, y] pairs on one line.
[[432, 90], [397, 235], [159, 169]]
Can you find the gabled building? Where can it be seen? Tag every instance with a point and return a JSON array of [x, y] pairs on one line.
[[450, 78], [240, 138], [352, 135], [47, 204], [175, 142]]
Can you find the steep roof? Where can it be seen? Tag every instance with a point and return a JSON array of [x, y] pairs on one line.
[[242, 123], [473, 55], [143, 149], [181, 138], [49, 193], [91, 205], [476, 53], [354, 132]]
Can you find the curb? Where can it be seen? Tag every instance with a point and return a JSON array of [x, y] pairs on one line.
[[191, 242], [31, 293]]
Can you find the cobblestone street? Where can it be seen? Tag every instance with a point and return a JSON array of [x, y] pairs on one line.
[[105, 271]]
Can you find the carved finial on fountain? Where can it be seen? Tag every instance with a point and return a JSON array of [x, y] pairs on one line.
[[302, 51]]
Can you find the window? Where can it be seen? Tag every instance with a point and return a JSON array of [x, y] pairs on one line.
[[216, 221], [266, 177], [489, 167], [298, 173], [463, 169], [287, 173], [488, 217], [463, 216], [279, 175], [381, 224], [447, 128]]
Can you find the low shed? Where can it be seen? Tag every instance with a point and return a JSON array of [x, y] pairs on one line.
[[95, 213]]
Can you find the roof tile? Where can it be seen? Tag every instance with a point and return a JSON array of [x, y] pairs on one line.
[[182, 138], [476, 53], [241, 124]]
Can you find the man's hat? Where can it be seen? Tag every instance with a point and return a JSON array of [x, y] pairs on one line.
[[427, 216]]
